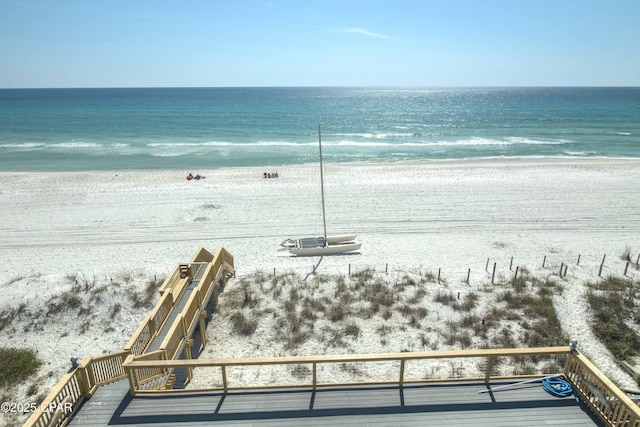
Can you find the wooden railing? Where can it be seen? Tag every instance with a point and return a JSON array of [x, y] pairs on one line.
[[77, 386], [606, 400], [150, 325], [599, 393], [149, 377], [93, 372], [402, 360], [171, 279], [103, 369], [184, 325]]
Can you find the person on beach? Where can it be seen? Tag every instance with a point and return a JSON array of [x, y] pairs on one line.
[[189, 177]]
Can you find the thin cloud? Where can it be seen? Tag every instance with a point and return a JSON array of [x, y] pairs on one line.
[[363, 32]]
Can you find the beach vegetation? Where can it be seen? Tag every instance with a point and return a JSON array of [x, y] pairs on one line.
[[445, 298], [365, 275], [242, 324], [338, 312], [352, 330], [300, 371], [32, 390], [468, 303], [17, 365], [14, 279], [146, 297], [626, 254], [351, 368], [531, 299], [615, 310], [384, 330], [115, 309], [84, 283], [6, 317]]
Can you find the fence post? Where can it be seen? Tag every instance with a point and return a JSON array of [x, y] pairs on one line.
[[510, 263], [578, 263], [515, 276], [601, 265], [486, 268], [438, 274], [561, 268], [468, 275], [544, 260], [493, 275], [626, 267]]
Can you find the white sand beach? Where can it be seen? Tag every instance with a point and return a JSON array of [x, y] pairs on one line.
[[124, 227]]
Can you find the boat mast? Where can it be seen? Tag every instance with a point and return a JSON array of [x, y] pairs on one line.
[[324, 219]]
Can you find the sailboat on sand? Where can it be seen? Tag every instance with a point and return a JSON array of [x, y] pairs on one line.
[[321, 245]]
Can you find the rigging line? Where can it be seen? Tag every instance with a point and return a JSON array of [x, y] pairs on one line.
[[324, 217]]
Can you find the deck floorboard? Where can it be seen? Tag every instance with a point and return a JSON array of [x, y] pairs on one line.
[[438, 404]]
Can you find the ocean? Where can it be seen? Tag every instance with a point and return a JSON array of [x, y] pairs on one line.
[[203, 128]]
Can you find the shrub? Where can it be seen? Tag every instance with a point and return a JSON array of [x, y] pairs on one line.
[[17, 365], [352, 330], [614, 303], [336, 312], [242, 325], [300, 371]]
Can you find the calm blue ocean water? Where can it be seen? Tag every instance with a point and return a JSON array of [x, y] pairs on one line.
[[191, 128]]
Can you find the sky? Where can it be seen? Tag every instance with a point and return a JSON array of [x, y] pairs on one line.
[[230, 43]]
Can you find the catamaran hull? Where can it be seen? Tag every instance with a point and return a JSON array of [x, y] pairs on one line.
[[332, 240], [319, 241], [332, 249]]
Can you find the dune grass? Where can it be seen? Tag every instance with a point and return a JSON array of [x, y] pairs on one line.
[[615, 307], [17, 365]]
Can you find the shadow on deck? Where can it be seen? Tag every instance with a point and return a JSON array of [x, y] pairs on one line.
[[441, 404]]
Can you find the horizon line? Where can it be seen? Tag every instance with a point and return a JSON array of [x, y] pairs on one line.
[[330, 86]]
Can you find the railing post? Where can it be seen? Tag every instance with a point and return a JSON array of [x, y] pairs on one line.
[[216, 287], [183, 323], [203, 332], [224, 378], [152, 326], [401, 379], [85, 375], [187, 355], [131, 375], [315, 375], [487, 375]]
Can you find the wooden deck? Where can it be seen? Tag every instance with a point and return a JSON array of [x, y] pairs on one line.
[[433, 405]]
